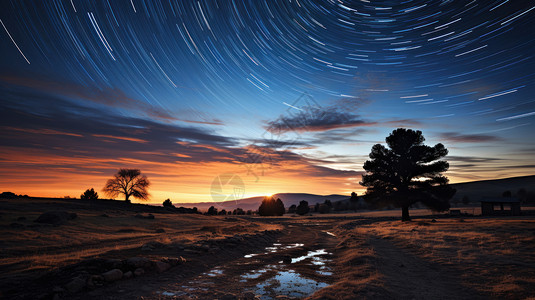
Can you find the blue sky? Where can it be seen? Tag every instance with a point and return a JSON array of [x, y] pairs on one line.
[[156, 76]]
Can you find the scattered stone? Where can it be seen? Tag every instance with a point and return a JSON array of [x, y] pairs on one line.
[[76, 285], [114, 263], [55, 217], [104, 216], [128, 275], [161, 266], [21, 219], [113, 275], [160, 230], [287, 259], [138, 272], [174, 261], [433, 221], [151, 246], [138, 262], [94, 281]]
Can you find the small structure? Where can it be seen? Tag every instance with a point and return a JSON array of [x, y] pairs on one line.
[[500, 206]]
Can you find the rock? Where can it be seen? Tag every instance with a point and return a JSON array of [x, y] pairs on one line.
[[139, 271], [433, 221], [56, 297], [21, 219], [113, 263], [104, 216], [160, 230], [94, 281], [174, 261], [55, 217], [151, 246], [287, 259], [138, 262], [227, 297], [128, 275], [76, 285], [161, 266], [58, 289], [113, 275]]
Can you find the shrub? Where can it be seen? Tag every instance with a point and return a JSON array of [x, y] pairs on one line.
[[168, 203], [89, 194], [303, 208]]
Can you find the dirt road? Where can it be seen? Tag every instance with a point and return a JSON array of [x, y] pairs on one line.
[[296, 263]]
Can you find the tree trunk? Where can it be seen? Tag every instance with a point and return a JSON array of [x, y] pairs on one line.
[[126, 196], [405, 213]]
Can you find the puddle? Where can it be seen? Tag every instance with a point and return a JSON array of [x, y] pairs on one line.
[[267, 281], [288, 283], [309, 255], [214, 272], [276, 247]]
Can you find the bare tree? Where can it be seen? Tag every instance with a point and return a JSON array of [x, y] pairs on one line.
[[128, 182]]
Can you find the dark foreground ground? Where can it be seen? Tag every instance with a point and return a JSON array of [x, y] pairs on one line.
[[184, 256]]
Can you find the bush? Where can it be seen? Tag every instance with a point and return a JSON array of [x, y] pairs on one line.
[[168, 203], [8, 195], [303, 208], [212, 211], [292, 208], [238, 211], [89, 194]]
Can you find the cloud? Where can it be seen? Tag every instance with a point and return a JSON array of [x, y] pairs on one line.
[[468, 138], [108, 96], [316, 119]]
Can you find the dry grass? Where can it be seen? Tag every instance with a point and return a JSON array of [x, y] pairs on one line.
[[494, 256], [44, 247]]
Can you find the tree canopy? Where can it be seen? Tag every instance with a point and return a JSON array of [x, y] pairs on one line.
[[130, 183], [271, 207], [407, 172]]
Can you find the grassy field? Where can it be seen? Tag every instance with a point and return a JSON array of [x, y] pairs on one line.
[[372, 254]]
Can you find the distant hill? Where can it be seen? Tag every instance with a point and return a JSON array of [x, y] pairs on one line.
[[476, 190], [253, 203]]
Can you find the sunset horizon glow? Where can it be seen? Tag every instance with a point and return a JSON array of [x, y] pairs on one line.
[[288, 95]]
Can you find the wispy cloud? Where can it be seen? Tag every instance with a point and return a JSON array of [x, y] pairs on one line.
[[468, 138], [315, 119]]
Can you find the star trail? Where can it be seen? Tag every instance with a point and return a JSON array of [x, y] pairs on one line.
[[182, 89]]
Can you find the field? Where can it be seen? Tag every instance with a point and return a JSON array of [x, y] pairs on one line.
[[336, 256]]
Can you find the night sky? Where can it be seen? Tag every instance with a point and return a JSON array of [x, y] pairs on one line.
[[289, 95]]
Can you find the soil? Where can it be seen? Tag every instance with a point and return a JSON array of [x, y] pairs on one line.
[[338, 256]]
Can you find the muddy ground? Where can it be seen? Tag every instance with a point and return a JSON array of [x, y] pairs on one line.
[[339, 256]]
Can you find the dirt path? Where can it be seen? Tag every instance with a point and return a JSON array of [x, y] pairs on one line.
[[410, 277], [295, 264]]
